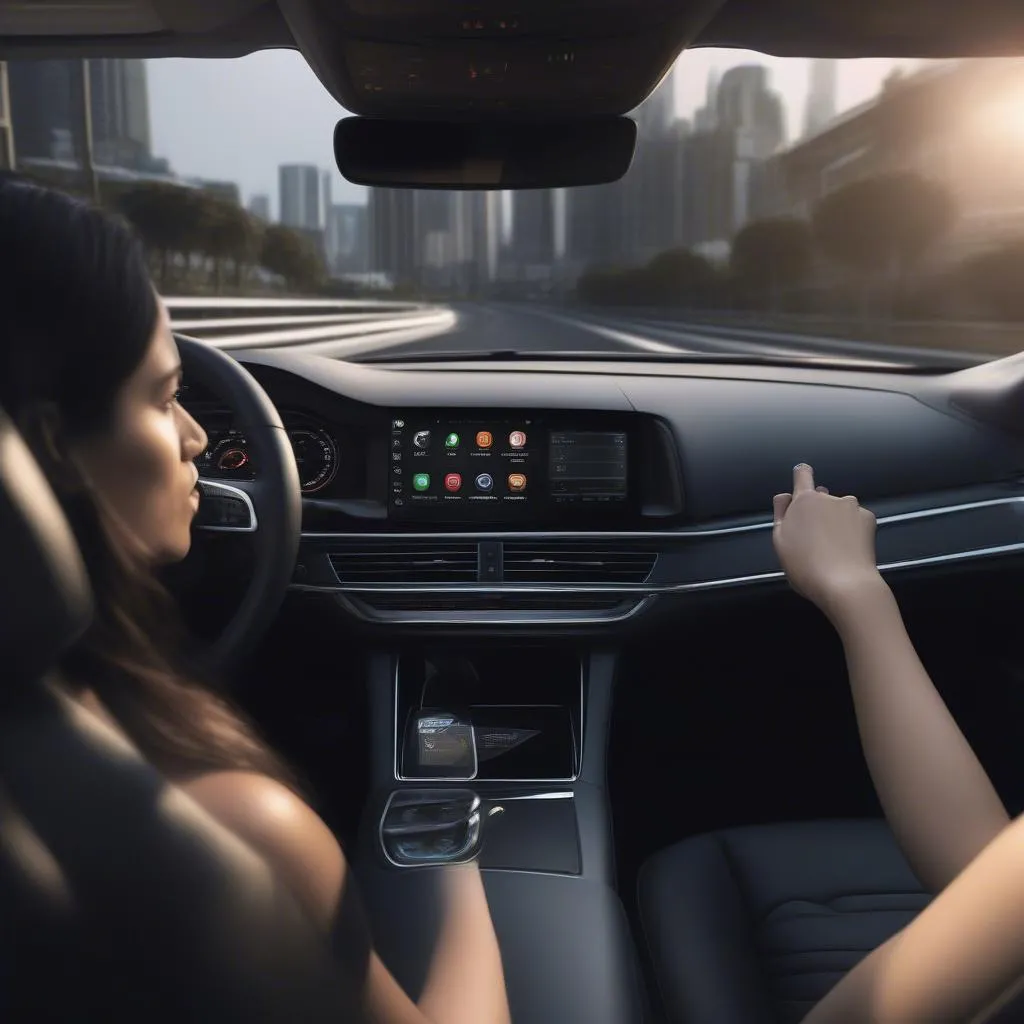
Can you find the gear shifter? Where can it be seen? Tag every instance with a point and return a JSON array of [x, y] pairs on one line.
[[421, 827]]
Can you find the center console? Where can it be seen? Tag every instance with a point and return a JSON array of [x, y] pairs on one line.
[[498, 754]]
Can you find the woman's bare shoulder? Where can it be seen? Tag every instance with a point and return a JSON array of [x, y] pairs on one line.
[[281, 827]]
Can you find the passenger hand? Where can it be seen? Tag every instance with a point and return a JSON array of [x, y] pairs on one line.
[[826, 545]]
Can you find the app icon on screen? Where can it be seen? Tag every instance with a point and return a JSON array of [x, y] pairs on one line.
[[452, 440], [517, 439], [485, 482], [517, 481], [421, 481], [421, 439], [484, 439], [453, 481]]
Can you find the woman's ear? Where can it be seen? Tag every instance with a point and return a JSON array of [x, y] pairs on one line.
[[42, 428]]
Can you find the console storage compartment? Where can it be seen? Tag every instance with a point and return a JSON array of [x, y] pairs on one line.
[[525, 705]]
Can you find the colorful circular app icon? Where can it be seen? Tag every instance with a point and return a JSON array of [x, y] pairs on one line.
[[517, 481], [421, 482], [484, 439], [485, 482], [421, 439], [453, 482], [517, 439], [452, 440]]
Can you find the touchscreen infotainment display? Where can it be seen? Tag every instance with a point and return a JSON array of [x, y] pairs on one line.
[[504, 469]]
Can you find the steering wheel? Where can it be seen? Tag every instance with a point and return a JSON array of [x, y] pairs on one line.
[[269, 507]]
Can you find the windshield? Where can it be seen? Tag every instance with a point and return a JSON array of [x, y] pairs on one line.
[[869, 209]]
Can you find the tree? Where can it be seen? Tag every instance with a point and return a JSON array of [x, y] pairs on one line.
[[883, 224], [292, 256], [169, 219], [993, 280], [772, 255], [679, 276], [228, 233]]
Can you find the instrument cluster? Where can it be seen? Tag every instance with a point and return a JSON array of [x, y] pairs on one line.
[[228, 457]]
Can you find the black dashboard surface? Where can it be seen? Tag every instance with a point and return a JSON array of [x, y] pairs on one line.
[[738, 430], [944, 486]]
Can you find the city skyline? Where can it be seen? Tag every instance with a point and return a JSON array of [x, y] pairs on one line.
[[228, 140]]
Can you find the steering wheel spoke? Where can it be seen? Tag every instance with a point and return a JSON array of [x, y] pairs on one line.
[[226, 508]]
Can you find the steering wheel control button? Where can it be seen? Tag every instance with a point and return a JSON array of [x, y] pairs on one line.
[[421, 439], [485, 482], [452, 440], [453, 482], [517, 439], [517, 482], [421, 482]]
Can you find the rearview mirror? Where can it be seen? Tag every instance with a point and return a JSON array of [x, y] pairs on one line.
[[497, 155]]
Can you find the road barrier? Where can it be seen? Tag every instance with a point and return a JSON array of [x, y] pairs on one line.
[[330, 327]]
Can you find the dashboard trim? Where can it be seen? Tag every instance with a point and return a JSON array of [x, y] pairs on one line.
[[530, 617], [644, 593], [679, 534]]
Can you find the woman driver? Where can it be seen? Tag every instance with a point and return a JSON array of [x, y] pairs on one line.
[[89, 371]]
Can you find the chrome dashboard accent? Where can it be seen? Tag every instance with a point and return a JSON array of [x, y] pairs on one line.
[[643, 593], [534, 616], [683, 533], [215, 486]]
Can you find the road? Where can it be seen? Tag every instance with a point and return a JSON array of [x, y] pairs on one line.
[[536, 328]]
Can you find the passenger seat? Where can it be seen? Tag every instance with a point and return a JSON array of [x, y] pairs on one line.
[[754, 925]]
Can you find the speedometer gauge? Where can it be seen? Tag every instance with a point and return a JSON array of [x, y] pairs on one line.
[[317, 457]]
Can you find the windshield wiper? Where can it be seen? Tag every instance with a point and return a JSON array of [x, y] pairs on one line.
[[942, 363]]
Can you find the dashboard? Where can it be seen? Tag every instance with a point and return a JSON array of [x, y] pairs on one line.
[[567, 495]]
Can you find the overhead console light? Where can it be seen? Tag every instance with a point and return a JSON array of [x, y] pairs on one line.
[[523, 60], [469, 155]]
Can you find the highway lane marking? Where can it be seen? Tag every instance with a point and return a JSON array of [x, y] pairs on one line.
[[623, 337]]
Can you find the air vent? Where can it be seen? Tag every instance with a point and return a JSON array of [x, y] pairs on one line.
[[571, 562], [406, 562], [485, 602]]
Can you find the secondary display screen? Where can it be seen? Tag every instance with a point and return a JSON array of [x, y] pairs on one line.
[[504, 469]]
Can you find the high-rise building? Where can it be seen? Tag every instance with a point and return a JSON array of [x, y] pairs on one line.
[[347, 231], [821, 95], [259, 206], [533, 227], [6, 133], [299, 200], [326, 198], [120, 112], [48, 114], [392, 229]]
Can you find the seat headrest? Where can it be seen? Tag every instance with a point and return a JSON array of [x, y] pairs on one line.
[[44, 588]]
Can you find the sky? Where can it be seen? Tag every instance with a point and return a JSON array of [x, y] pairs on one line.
[[237, 120]]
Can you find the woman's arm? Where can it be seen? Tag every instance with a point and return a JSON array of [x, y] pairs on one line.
[[957, 962], [465, 983], [937, 797]]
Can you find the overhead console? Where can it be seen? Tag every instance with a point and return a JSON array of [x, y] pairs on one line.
[[530, 59]]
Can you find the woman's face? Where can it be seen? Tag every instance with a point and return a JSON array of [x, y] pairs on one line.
[[141, 470]]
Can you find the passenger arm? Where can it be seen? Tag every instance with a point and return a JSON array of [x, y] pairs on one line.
[[960, 960], [937, 798]]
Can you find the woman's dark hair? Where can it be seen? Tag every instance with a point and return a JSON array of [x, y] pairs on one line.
[[77, 314]]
